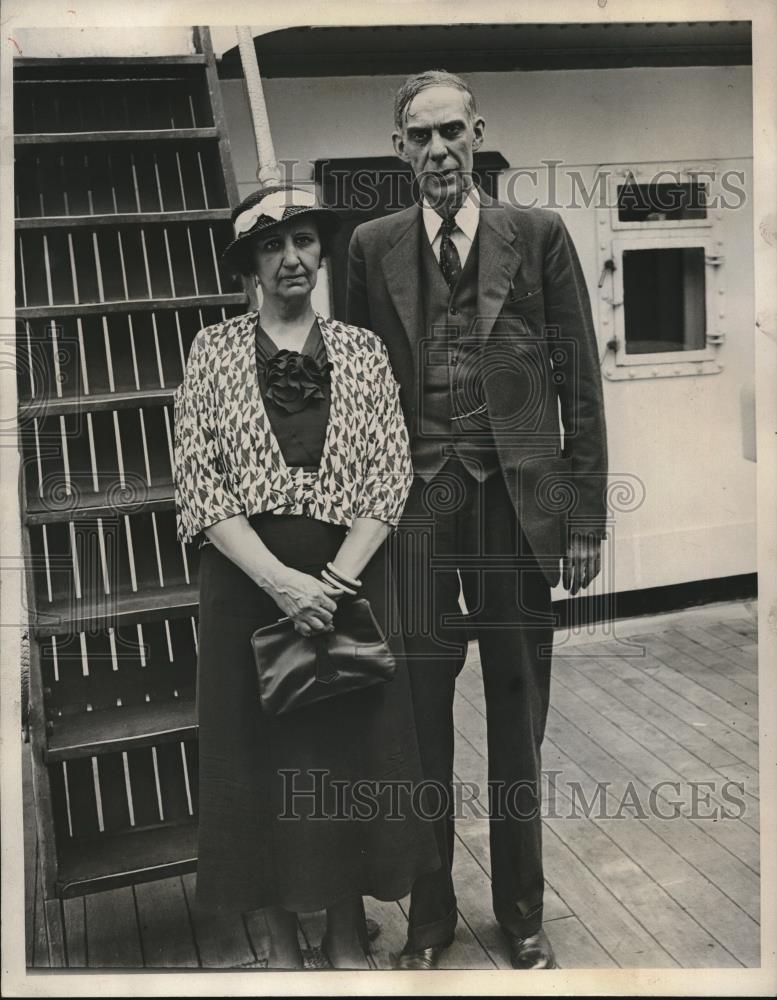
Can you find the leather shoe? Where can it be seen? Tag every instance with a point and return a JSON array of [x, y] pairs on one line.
[[421, 959], [535, 952]]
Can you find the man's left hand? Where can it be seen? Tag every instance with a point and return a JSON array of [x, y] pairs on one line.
[[582, 562]]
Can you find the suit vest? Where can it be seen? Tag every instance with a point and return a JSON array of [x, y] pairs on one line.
[[452, 415]]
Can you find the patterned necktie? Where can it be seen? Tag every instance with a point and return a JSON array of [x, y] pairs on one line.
[[450, 262]]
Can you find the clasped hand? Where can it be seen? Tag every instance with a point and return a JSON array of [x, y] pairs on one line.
[[308, 601]]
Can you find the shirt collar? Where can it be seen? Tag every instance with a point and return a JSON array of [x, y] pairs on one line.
[[466, 218]]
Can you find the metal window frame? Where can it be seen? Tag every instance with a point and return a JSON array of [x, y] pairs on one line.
[[674, 358], [614, 237], [685, 173]]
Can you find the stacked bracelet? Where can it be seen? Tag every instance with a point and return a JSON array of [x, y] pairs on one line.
[[339, 579], [337, 584], [339, 575]]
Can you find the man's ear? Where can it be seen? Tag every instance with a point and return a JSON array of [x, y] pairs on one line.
[[399, 145], [479, 128]]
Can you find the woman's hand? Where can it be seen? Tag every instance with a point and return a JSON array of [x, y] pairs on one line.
[[308, 601]]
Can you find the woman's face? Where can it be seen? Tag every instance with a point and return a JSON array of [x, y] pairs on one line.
[[287, 259]]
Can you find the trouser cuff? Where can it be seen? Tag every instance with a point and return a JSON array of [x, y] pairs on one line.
[[434, 934], [519, 919]]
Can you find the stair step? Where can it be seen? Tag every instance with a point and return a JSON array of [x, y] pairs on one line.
[[122, 135], [104, 504], [130, 305], [117, 611], [122, 63], [116, 729], [122, 219], [91, 403], [111, 861]]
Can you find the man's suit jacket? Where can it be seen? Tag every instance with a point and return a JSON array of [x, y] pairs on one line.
[[540, 357]]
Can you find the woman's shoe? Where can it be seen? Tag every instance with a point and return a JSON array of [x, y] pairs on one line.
[[315, 960], [289, 966]]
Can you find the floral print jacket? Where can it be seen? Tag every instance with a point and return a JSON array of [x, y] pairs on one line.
[[227, 460]]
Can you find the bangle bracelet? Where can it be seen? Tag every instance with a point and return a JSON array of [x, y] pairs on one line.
[[328, 578], [338, 586], [342, 576], [337, 582]]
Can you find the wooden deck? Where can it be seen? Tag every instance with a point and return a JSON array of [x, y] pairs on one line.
[[670, 699]]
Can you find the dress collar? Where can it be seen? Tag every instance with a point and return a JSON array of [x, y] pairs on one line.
[[267, 348]]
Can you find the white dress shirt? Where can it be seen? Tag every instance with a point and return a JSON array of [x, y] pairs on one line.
[[463, 235]]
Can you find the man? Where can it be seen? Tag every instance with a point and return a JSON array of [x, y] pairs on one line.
[[485, 314]]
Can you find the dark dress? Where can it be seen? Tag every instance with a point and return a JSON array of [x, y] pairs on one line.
[[297, 811]]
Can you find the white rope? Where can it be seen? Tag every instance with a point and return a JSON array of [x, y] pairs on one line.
[[267, 171]]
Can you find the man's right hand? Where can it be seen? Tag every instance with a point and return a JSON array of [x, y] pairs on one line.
[[305, 599]]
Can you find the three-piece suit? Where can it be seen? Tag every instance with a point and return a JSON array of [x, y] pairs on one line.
[[501, 391]]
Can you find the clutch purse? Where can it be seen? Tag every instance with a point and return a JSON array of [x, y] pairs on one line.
[[296, 670]]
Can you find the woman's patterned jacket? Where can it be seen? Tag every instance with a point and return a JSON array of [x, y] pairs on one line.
[[227, 460]]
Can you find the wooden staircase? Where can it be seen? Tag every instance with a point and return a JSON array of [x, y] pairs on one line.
[[124, 187]]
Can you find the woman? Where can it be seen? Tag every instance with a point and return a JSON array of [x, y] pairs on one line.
[[291, 466]]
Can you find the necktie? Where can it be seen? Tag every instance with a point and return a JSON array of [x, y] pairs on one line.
[[450, 262]]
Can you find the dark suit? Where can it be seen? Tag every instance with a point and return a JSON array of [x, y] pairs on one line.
[[505, 535]]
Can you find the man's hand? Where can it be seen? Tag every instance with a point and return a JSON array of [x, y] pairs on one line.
[[582, 562]]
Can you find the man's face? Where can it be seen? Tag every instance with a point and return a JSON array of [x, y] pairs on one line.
[[438, 140]]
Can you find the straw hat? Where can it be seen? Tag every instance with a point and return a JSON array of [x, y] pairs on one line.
[[267, 208]]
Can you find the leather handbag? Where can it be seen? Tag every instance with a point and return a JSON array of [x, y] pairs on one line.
[[296, 670]]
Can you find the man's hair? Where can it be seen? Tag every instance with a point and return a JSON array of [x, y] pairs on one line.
[[413, 86]]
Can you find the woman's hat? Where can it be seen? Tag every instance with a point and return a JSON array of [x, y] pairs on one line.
[[266, 209]]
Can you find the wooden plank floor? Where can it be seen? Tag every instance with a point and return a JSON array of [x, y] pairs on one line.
[[658, 718]]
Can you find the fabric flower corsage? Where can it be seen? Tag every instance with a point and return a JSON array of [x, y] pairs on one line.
[[292, 380]]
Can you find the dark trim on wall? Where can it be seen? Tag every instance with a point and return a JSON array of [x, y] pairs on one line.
[[655, 600], [469, 48]]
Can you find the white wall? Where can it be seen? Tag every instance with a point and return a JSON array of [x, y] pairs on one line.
[[684, 437], [582, 116]]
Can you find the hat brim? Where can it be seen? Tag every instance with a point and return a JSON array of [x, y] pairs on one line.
[[237, 254]]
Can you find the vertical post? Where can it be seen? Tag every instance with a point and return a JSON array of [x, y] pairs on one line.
[[267, 171], [203, 44], [13, 609]]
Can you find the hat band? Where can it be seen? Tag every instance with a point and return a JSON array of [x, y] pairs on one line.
[[273, 206]]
